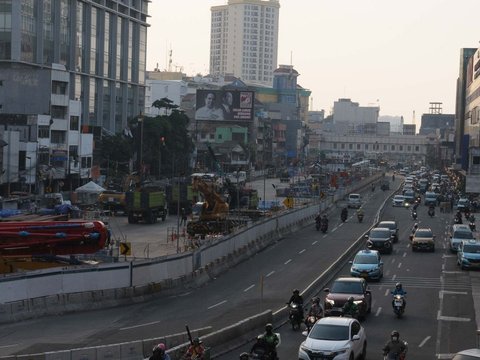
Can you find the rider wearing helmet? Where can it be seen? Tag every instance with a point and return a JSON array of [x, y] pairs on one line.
[[244, 356], [296, 298], [316, 309], [260, 348], [399, 291], [395, 345], [196, 350], [271, 339], [159, 353], [350, 308]]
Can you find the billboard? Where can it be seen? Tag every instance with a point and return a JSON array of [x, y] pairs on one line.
[[224, 105]]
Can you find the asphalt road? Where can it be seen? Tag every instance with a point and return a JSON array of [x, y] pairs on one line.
[[439, 319], [440, 315]]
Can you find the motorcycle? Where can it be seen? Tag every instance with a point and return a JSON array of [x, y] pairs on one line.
[[398, 305], [414, 214], [295, 315], [324, 227], [317, 224], [396, 356], [310, 321], [457, 220], [360, 217], [431, 212], [343, 216], [472, 226]]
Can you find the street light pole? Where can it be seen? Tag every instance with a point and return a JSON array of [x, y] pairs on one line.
[[29, 173], [140, 165]]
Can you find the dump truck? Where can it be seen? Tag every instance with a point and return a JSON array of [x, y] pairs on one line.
[[146, 206]]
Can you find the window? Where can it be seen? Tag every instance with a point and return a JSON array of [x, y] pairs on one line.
[[334, 145], [343, 146], [393, 148], [409, 148], [350, 146], [58, 137], [385, 147], [401, 148], [86, 162], [358, 146], [74, 122], [43, 132], [366, 146], [476, 160], [417, 148]]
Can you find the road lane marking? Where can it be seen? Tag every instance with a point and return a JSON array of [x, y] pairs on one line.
[[387, 292], [394, 277], [286, 262], [447, 292], [452, 318], [302, 251], [399, 265], [379, 310], [335, 228], [249, 288], [393, 260], [12, 345], [404, 254], [453, 272], [141, 325], [324, 236], [445, 356], [314, 242], [424, 341], [218, 304], [270, 273]]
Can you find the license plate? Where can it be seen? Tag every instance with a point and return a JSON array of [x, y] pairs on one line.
[[398, 303], [364, 275]]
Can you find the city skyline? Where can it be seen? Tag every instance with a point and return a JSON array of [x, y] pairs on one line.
[[399, 58]]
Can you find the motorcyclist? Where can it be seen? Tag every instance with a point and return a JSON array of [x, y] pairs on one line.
[[458, 217], [471, 218], [316, 309], [360, 212], [296, 298], [344, 213], [350, 308], [260, 347], [196, 350], [271, 340], [373, 187], [159, 353], [395, 345], [324, 220], [399, 291], [414, 229], [244, 356]]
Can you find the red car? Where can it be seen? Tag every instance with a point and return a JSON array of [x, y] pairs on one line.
[[344, 287]]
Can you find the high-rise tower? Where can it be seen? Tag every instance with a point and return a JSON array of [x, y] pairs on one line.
[[244, 40]]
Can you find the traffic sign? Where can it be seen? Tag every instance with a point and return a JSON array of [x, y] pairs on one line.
[[125, 248], [288, 202]]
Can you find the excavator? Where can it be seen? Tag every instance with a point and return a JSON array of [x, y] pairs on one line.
[[210, 216]]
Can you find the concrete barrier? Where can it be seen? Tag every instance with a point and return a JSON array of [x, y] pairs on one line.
[[58, 355], [84, 354]]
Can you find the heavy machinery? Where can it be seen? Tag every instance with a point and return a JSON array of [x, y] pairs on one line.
[[114, 198], [146, 205], [210, 216]]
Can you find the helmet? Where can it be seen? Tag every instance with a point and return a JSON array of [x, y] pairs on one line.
[[351, 299], [197, 341], [398, 286], [268, 327], [160, 348], [395, 333], [260, 338], [316, 300], [296, 291], [244, 356]]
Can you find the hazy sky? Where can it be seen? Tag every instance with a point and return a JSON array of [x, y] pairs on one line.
[[401, 55]]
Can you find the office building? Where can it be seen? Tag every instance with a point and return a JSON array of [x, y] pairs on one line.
[[244, 40]]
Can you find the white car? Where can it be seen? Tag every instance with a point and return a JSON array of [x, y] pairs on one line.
[[398, 200], [335, 338]]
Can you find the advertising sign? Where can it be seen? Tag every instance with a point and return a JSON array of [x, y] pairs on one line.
[[224, 105]]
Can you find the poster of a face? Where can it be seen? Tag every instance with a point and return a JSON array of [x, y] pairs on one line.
[[224, 105]]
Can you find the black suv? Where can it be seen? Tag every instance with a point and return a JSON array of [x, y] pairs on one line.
[[393, 226], [381, 239], [344, 287]]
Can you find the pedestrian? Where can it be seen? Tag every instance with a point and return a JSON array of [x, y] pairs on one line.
[[184, 217]]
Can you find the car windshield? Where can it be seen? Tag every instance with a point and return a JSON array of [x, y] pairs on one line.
[[462, 201], [423, 233], [329, 332], [347, 287], [354, 197], [391, 226], [472, 249], [365, 259], [398, 197], [380, 233], [463, 235]]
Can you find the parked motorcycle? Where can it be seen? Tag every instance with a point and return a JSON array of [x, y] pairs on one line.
[[398, 305], [295, 315]]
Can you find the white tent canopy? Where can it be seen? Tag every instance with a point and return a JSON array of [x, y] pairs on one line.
[[90, 187]]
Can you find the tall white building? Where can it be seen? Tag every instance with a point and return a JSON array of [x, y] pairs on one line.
[[244, 40]]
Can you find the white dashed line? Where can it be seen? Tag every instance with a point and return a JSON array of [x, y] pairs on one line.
[[137, 326], [379, 310], [270, 273], [399, 265], [387, 292], [218, 304], [302, 251], [249, 288], [314, 242], [286, 262], [424, 341], [394, 277], [404, 254]]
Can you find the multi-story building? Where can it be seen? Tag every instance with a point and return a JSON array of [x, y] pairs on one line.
[[244, 40], [66, 67]]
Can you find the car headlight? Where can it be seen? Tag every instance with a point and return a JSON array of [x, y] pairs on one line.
[[358, 302]]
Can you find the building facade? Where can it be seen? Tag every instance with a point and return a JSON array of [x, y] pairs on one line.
[[81, 64], [244, 40]]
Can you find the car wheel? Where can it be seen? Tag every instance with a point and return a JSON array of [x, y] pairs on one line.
[[363, 355]]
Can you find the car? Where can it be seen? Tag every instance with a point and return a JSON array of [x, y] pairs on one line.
[[459, 233], [398, 200], [393, 226], [468, 254], [381, 239], [367, 264], [423, 239], [336, 338], [430, 198], [409, 196], [463, 204], [344, 287], [354, 201], [469, 354]]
